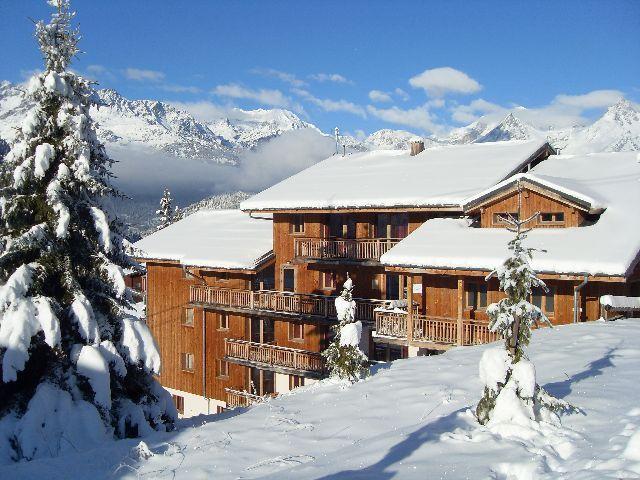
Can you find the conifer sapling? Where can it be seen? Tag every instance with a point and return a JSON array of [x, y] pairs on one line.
[[345, 359], [76, 367], [167, 212], [511, 393]]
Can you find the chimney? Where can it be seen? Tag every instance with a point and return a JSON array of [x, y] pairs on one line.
[[417, 146]]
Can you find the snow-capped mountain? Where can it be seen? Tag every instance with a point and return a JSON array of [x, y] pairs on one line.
[[618, 130], [248, 128], [510, 128], [387, 139], [160, 126], [157, 125]]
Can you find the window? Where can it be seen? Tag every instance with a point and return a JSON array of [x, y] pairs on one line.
[[222, 276], [553, 218], [288, 279], [296, 331], [223, 321], [297, 224], [178, 401], [186, 362], [188, 317], [222, 369], [262, 330], [295, 381], [545, 301], [220, 409], [392, 225], [327, 281], [500, 218], [342, 226], [393, 286], [477, 296]]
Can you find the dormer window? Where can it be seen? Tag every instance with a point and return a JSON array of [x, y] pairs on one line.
[[552, 218], [500, 218]]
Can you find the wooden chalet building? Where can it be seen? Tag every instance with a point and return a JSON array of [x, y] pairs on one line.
[[209, 258], [587, 231], [343, 214], [241, 302]]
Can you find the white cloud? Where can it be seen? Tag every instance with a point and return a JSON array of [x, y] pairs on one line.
[[274, 98], [286, 77], [140, 75], [96, 69], [437, 82], [379, 96], [593, 99], [204, 110], [563, 111], [329, 105], [419, 117], [329, 77], [474, 110], [404, 96]]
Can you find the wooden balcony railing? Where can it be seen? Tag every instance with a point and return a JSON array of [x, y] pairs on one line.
[[240, 398], [370, 249], [273, 355], [280, 302], [433, 329]]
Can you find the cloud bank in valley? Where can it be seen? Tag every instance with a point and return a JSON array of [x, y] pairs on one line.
[[142, 174]]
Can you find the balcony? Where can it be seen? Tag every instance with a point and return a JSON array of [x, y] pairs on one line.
[[280, 304], [241, 398], [361, 250], [272, 357], [434, 330]]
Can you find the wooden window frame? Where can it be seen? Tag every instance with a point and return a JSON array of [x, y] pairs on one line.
[[297, 225], [323, 277], [500, 218], [185, 317], [292, 332], [282, 278], [222, 369], [554, 220], [295, 381], [184, 362], [476, 289], [223, 325], [178, 402], [544, 297]]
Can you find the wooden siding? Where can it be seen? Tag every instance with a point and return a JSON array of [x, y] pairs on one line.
[[532, 202], [439, 297], [168, 297]]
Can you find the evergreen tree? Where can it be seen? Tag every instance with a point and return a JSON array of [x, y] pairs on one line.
[[75, 367], [511, 392], [344, 358], [167, 213]]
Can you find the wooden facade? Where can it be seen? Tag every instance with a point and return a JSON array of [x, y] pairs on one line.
[[249, 330]]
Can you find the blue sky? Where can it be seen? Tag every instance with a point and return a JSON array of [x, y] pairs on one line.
[[421, 66]]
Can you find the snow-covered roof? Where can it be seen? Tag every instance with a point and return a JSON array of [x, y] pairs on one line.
[[578, 194], [437, 177], [610, 246], [228, 239]]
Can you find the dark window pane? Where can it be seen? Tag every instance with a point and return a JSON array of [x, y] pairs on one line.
[[550, 306], [482, 296], [393, 287], [288, 280]]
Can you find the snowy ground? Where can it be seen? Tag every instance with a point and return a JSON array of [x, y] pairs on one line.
[[410, 419]]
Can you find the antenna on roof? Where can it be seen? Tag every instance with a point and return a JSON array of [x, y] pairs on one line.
[[337, 136]]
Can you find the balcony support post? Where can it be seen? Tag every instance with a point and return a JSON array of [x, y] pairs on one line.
[[460, 331], [410, 309]]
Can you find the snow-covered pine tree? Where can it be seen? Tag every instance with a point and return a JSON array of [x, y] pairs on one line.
[[511, 393], [75, 368], [344, 358], [167, 212]]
